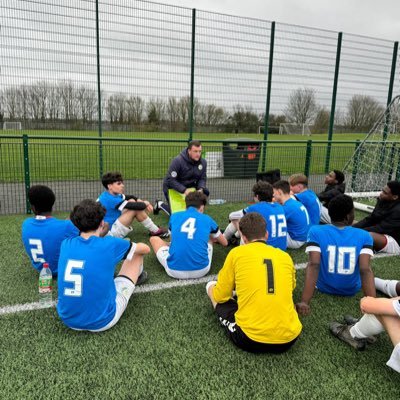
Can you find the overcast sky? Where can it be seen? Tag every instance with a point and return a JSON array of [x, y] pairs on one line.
[[376, 18]]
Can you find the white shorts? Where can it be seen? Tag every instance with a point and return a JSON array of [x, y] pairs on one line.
[[325, 218], [396, 305], [119, 230], [293, 244], [125, 288], [392, 247], [162, 255]]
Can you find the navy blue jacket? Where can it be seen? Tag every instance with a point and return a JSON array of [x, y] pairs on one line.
[[184, 173]]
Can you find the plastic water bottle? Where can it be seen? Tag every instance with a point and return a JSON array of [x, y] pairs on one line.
[[214, 202], [45, 286]]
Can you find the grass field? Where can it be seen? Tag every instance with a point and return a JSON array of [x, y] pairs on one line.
[[72, 157], [168, 345]]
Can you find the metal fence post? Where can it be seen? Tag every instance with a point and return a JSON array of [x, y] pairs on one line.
[[268, 102], [99, 91], [355, 164], [308, 158], [398, 165], [333, 105], [191, 111], [27, 175]]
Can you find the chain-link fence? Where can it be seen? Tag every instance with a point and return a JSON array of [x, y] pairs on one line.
[[97, 67]]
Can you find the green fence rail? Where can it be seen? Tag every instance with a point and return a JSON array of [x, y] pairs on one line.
[[71, 165]]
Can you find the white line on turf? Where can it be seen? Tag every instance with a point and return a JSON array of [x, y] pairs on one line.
[[140, 289]]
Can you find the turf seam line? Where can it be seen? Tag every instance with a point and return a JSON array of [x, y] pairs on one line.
[[140, 289]]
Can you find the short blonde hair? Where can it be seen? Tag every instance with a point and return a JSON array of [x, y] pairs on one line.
[[298, 178]]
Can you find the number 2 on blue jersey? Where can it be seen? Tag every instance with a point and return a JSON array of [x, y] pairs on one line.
[[278, 225], [37, 250], [189, 227]]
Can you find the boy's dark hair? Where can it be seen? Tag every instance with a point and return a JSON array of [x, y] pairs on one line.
[[195, 143], [282, 185], [298, 178], [42, 198], [340, 207], [339, 176], [87, 215], [111, 177], [195, 199], [263, 190], [394, 187], [253, 226]]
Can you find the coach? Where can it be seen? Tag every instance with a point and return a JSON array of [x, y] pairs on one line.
[[187, 170]]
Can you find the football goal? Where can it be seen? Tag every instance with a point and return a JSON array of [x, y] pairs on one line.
[[376, 160], [12, 126], [287, 128]]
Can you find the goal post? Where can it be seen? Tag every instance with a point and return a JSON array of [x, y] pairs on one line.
[[12, 126], [288, 128]]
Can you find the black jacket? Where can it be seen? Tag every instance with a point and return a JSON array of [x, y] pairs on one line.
[[184, 173], [330, 192], [384, 219]]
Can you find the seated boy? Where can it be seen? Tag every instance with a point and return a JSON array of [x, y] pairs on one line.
[[263, 319], [338, 255], [297, 219], [89, 298], [273, 214], [190, 253], [335, 186], [42, 235], [299, 187], [122, 209], [379, 315]]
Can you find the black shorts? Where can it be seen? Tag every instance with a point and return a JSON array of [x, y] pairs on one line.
[[226, 314]]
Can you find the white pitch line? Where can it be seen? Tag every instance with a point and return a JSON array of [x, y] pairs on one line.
[[140, 289]]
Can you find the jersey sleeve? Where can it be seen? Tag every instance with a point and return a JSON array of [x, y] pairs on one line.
[[313, 242], [70, 229], [226, 281], [123, 249], [214, 228], [368, 244]]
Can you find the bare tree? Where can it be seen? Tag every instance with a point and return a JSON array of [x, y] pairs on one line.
[[23, 103], [172, 112], [68, 100], [302, 106], [134, 109], [362, 112], [10, 97], [210, 115], [155, 111]]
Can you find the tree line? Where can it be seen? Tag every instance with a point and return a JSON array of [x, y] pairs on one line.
[[77, 108]]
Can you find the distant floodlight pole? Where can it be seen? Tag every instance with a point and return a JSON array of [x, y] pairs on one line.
[[99, 91], [268, 102], [191, 112], [333, 106]]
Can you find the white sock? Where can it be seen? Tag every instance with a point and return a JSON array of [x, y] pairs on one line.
[[386, 286], [368, 325], [230, 230], [150, 225], [394, 360]]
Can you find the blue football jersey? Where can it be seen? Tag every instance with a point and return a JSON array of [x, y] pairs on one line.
[[340, 249], [110, 202], [274, 215], [86, 288], [190, 232], [42, 239], [297, 219], [310, 201]]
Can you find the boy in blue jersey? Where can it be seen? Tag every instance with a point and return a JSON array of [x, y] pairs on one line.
[[190, 252], [297, 219], [42, 235], [122, 209], [299, 187], [89, 298], [339, 256], [273, 214]]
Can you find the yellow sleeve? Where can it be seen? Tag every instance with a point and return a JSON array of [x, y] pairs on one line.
[[222, 291]]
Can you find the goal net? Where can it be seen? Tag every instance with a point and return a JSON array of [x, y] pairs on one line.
[[376, 160], [287, 128], [12, 126]]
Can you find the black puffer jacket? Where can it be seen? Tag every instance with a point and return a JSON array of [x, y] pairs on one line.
[[184, 173], [330, 192]]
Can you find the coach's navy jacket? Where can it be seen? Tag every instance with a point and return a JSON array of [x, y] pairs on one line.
[[184, 173]]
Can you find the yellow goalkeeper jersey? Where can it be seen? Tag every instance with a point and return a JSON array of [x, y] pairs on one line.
[[264, 279]]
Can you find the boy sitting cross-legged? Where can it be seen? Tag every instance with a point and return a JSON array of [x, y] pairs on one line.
[[263, 318], [122, 209], [273, 214], [190, 253], [89, 298], [338, 256]]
